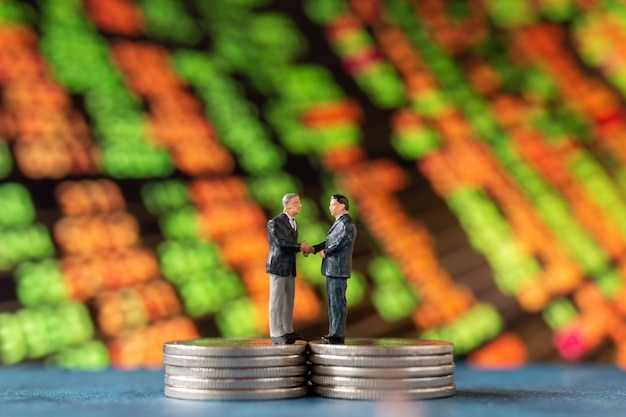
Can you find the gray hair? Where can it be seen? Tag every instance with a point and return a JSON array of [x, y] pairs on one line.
[[288, 197]]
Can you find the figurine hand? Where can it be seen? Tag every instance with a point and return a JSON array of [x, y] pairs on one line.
[[306, 248], [322, 254]]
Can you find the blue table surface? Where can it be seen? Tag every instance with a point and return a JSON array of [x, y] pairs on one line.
[[533, 390]]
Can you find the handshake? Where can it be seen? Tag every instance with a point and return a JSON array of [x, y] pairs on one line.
[[308, 249]]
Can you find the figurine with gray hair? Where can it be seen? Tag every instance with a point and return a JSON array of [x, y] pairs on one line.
[[282, 235]]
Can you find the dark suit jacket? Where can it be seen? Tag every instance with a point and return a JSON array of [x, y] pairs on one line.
[[284, 245], [338, 248]]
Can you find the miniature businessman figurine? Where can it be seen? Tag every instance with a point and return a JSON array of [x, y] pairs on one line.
[[282, 235], [336, 253]]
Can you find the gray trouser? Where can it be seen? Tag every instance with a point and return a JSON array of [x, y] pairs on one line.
[[282, 291], [337, 306]]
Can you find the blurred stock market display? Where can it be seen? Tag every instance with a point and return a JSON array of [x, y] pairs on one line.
[[144, 144]]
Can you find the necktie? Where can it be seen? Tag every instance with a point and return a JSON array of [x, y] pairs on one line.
[[293, 223]]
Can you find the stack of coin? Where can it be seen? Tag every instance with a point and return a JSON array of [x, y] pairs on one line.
[[383, 369], [234, 369]]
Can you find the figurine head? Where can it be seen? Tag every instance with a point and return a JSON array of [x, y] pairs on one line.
[[339, 205], [291, 204]]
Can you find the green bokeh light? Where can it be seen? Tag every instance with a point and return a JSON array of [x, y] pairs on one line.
[[162, 197], [40, 283], [18, 208]]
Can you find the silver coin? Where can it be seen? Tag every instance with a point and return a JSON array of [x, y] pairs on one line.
[[381, 361], [382, 383], [233, 362], [234, 395], [240, 383], [348, 393], [269, 372], [383, 347], [404, 372], [232, 347]]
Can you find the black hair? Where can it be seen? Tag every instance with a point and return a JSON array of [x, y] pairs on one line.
[[341, 199]]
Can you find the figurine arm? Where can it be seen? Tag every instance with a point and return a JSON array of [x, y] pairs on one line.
[[286, 244]]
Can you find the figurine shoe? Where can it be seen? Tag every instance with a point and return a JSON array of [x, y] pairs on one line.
[[293, 336], [282, 340], [333, 340]]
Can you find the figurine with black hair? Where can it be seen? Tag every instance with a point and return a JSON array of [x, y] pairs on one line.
[[336, 252]]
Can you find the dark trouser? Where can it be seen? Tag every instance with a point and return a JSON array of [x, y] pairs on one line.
[[337, 306]]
